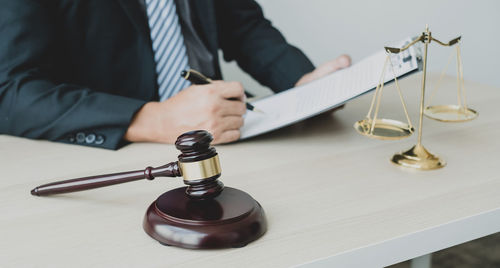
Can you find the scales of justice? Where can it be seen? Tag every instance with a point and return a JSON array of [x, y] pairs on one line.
[[418, 156]]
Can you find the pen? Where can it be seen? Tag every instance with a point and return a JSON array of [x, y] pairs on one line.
[[197, 78]]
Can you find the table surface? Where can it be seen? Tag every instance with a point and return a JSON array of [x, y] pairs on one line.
[[331, 196]]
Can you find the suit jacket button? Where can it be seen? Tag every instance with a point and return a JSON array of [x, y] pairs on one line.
[[90, 138], [80, 137], [99, 139]]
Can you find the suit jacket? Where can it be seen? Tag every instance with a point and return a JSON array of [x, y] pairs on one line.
[[76, 71]]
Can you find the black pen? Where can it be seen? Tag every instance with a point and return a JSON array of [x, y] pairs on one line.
[[197, 78]]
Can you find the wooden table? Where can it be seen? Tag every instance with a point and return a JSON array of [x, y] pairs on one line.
[[331, 196]]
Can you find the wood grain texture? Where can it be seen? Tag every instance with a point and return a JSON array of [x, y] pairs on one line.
[[231, 219], [86, 183], [330, 195]]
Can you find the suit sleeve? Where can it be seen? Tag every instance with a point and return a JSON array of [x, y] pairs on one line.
[[259, 48], [33, 104]]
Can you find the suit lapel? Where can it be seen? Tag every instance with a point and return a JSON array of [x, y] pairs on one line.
[[136, 14], [139, 19], [204, 16]]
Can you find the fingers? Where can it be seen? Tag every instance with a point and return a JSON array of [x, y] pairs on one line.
[[227, 98], [229, 90], [196, 107], [341, 62], [230, 108], [219, 107], [226, 129], [227, 136], [232, 122], [220, 125]]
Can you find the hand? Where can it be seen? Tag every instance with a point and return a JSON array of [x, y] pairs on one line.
[[203, 107], [341, 62]]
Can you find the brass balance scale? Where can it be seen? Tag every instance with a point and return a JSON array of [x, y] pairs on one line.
[[418, 156]]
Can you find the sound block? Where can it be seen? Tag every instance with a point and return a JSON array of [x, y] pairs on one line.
[[231, 219]]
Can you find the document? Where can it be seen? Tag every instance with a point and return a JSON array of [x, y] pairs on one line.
[[331, 91]]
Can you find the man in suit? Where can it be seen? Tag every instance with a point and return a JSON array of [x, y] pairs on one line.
[[104, 73]]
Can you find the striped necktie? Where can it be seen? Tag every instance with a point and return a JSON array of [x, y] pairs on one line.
[[168, 47]]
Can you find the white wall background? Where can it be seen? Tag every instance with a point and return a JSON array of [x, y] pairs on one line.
[[324, 29]]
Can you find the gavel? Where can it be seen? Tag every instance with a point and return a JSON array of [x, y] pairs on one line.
[[198, 164], [205, 214]]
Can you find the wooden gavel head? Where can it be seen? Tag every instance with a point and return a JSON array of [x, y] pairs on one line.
[[199, 164]]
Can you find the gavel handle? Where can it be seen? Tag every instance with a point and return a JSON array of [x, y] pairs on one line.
[[86, 183]]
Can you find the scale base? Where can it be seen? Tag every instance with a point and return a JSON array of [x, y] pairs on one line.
[[231, 219], [419, 158]]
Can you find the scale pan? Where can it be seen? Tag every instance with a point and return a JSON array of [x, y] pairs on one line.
[[450, 113], [385, 129]]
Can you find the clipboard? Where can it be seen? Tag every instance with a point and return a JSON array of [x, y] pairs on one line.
[[305, 101]]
